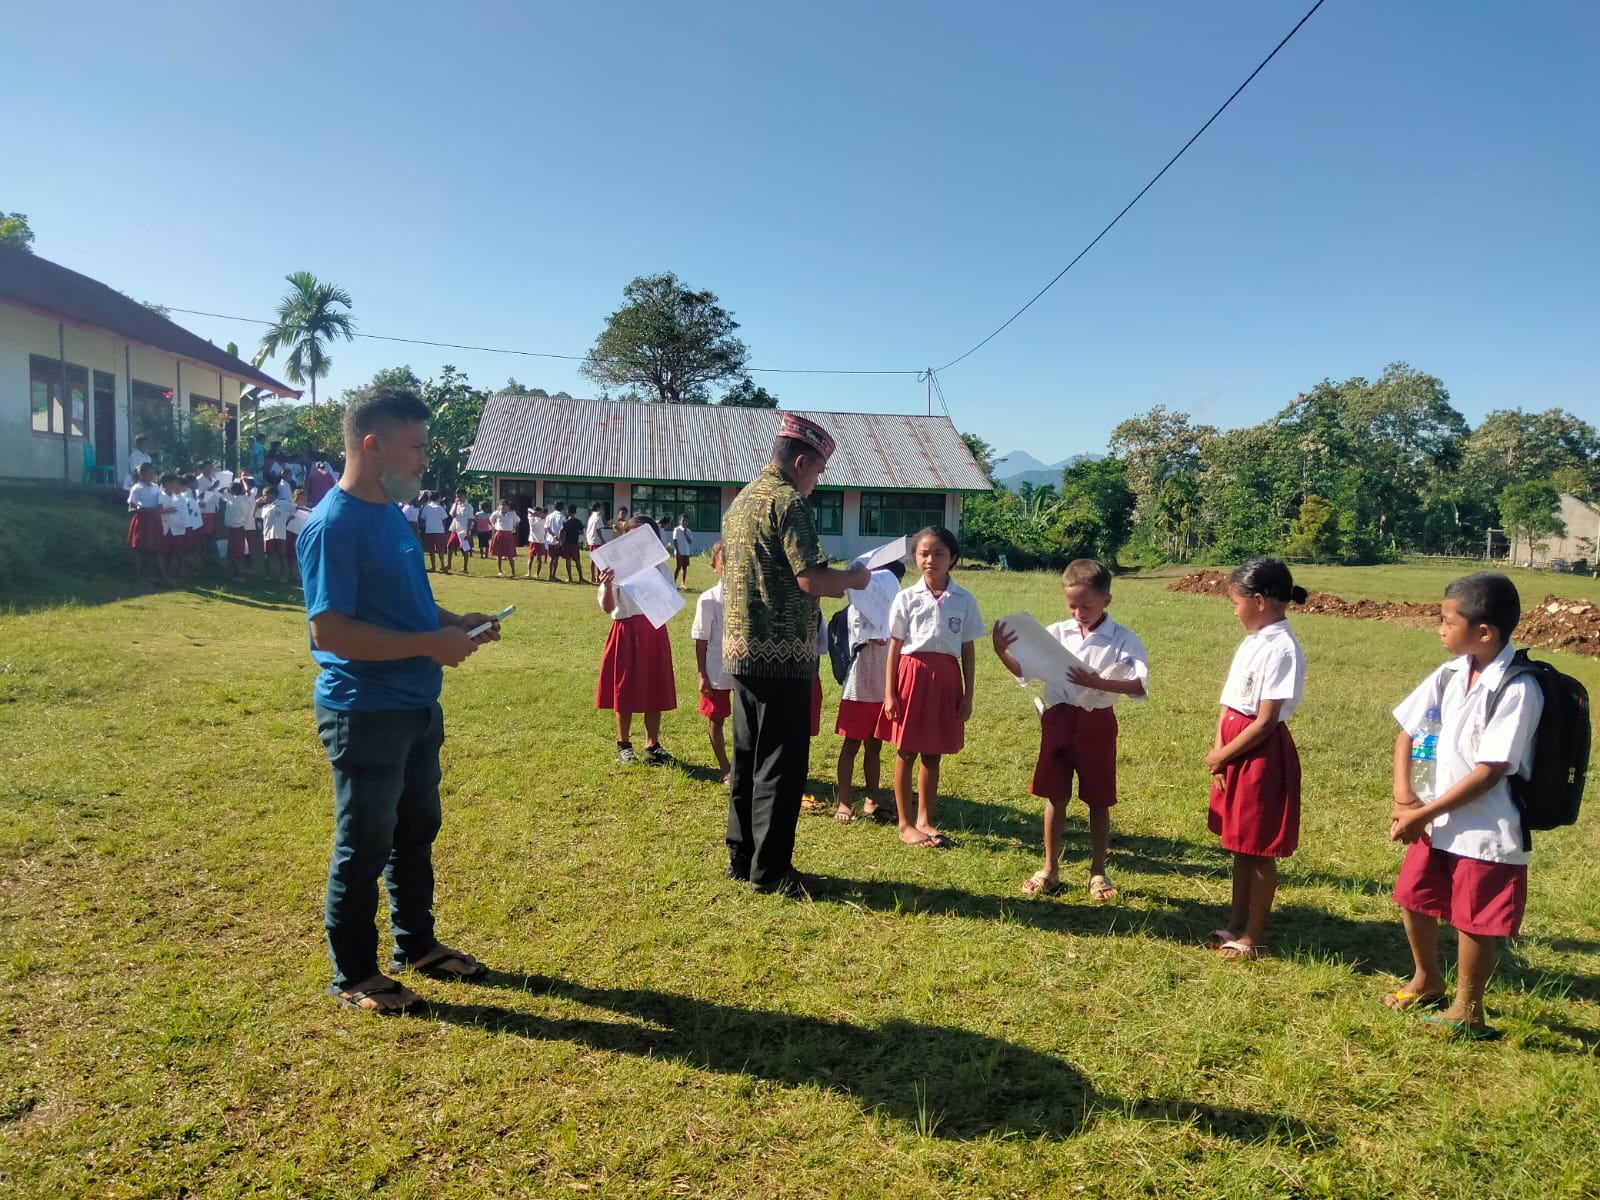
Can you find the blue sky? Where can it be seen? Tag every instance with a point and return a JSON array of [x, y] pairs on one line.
[[864, 185]]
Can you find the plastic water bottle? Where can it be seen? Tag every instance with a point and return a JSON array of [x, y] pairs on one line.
[[1425, 755], [1123, 668]]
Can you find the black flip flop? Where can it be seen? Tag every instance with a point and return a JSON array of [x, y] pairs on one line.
[[354, 999], [436, 970]]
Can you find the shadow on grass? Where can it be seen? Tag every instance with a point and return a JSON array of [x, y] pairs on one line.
[[939, 1080]]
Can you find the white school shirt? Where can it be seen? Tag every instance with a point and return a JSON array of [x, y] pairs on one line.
[[410, 512], [626, 607], [285, 489], [1488, 829], [869, 669], [504, 522], [174, 514], [929, 624], [682, 539], [461, 520], [205, 483], [275, 520], [145, 495], [707, 628], [209, 501], [1268, 665], [298, 519], [535, 528], [238, 512], [1102, 648], [595, 531], [136, 460], [552, 527], [191, 509], [433, 517]]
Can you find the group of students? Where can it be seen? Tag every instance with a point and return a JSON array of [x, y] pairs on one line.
[[176, 522], [448, 529], [912, 685]]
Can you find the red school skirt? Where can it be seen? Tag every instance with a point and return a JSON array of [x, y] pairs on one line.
[[503, 544], [858, 719], [928, 688], [718, 706], [144, 530], [1256, 808], [238, 545], [636, 669], [208, 523]]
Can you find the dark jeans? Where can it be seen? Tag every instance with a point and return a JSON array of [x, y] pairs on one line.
[[771, 752], [385, 817]]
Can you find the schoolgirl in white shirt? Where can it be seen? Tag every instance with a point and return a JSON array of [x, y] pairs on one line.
[[536, 546], [1255, 769], [635, 668], [503, 542], [931, 673], [144, 524], [860, 720], [462, 515]]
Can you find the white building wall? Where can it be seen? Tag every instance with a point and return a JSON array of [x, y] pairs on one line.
[[25, 454]]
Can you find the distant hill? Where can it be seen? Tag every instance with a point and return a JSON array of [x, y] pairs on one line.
[[1020, 467]]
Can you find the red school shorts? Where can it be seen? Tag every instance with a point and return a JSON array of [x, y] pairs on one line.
[[718, 706], [858, 720], [537, 550], [433, 543], [1082, 742], [1485, 899], [276, 547]]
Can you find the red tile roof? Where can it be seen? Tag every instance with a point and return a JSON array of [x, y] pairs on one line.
[[30, 282]]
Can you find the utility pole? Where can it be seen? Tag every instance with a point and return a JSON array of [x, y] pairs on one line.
[[929, 374], [1488, 543]]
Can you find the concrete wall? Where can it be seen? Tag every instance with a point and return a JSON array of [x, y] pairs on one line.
[[1582, 537], [28, 455]]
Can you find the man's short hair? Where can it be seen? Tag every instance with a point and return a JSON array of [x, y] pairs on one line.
[[1487, 598], [1087, 571], [377, 409], [785, 450]]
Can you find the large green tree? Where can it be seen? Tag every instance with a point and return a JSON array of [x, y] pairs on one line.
[[669, 339], [1511, 446], [1529, 512], [456, 407], [16, 232], [309, 318], [748, 394]]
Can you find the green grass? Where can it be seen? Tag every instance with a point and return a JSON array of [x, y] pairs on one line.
[[657, 1031]]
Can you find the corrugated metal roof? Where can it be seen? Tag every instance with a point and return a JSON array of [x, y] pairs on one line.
[[553, 437]]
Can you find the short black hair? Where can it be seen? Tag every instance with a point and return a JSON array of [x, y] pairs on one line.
[[1487, 598], [169, 477], [939, 533], [897, 568], [1269, 577], [1087, 571], [378, 408], [786, 449]]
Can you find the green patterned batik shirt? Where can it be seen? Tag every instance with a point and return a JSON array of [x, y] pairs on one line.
[[769, 626]]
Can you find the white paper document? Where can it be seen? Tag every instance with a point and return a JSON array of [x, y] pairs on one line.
[[884, 555], [874, 601], [633, 553], [1039, 655], [655, 595]]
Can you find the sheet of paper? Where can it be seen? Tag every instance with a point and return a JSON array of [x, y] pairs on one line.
[[654, 594], [884, 555], [633, 553], [1040, 655], [874, 601]]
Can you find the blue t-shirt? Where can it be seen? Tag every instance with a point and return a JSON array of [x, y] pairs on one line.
[[361, 559]]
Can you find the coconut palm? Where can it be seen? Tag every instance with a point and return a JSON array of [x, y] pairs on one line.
[[307, 321]]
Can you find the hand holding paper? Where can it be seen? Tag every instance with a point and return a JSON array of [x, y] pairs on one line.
[[1039, 655]]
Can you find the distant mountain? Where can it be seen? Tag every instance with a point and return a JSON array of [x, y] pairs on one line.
[[1020, 467]]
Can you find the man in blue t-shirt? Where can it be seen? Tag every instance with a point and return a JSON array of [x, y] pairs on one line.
[[382, 644]]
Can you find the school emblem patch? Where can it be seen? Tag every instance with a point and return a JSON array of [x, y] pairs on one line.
[[1249, 685], [954, 623]]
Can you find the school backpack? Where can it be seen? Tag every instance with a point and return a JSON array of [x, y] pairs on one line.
[[840, 653], [1551, 795]]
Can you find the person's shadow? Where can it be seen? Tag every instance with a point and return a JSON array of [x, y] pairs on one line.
[[938, 1080]]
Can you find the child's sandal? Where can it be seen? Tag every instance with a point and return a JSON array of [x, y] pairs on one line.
[[1041, 884], [1101, 888]]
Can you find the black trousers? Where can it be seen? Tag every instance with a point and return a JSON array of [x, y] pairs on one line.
[[771, 753]]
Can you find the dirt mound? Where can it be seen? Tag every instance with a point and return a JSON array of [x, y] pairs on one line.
[[1555, 623]]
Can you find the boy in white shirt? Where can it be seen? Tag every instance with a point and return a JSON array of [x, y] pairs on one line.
[[275, 516], [682, 547], [145, 534], [1078, 728], [1468, 856], [462, 516], [536, 535], [716, 704], [552, 537], [238, 519], [174, 524], [434, 519], [192, 522]]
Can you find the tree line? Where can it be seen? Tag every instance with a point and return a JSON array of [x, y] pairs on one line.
[[1353, 472]]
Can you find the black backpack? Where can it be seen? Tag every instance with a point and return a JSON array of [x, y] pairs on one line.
[[840, 653], [1551, 795]]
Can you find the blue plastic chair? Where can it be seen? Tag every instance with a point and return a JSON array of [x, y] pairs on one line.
[[94, 472]]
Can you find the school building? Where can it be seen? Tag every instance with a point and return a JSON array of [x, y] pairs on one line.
[[889, 475], [84, 370]]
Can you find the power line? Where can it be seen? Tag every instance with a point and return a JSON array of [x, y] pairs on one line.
[[1153, 181], [379, 337]]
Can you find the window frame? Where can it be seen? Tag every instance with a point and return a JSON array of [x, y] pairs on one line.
[[890, 514], [699, 500], [827, 512], [44, 382]]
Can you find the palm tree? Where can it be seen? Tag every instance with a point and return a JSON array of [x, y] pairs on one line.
[[307, 321]]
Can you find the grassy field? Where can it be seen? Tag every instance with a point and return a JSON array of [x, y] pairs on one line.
[[654, 1030]]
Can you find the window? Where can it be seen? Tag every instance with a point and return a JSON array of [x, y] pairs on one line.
[[54, 410], [827, 510], [665, 501], [891, 514], [584, 495]]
